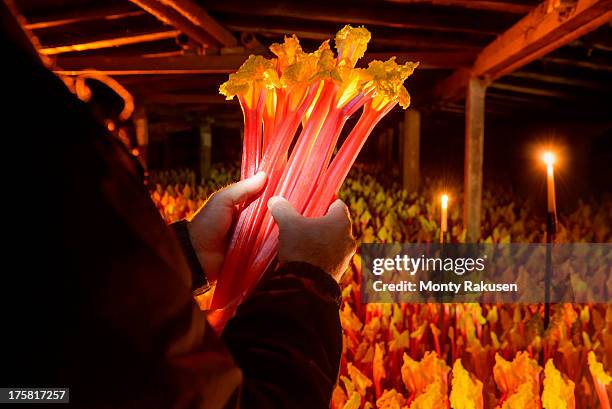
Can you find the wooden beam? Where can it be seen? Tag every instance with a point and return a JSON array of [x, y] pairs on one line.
[[111, 42], [596, 66], [115, 12], [399, 41], [453, 87], [215, 64], [428, 60], [186, 64], [540, 32], [474, 145], [203, 20], [178, 99], [514, 99], [499, 6], [366, 13], [15, 22], [558, 80], [520, 89], [168, 15]]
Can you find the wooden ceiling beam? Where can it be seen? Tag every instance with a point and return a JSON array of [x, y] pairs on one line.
[[177, 99], [214, 64], [427, 60], [114, 12], [109, 42], [558, 80], [312, 33], [520, 89], [590, 65], [170, 16], [499, 6], [385, 15], [186, 64], [540, 32], [200, 18]]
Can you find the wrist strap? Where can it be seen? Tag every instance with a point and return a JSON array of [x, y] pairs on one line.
[[200, 283]]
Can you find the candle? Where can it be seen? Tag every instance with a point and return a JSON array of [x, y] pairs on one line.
[[549, 159], [444, 216], [551, 221]]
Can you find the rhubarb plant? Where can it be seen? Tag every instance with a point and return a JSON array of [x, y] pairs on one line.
[[295, 107]]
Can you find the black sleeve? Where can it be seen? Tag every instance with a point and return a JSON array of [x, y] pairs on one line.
[[287, 339]]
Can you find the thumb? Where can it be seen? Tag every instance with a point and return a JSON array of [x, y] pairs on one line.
[[244, 190], [281, 210], [338, 211]]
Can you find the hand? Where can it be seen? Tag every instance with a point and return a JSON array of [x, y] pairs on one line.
[[326, 242], [209, 227]]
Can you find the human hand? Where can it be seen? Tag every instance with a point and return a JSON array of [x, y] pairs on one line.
[[326, 242], [209, 227]]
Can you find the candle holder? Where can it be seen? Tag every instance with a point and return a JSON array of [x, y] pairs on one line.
[[551, 229]]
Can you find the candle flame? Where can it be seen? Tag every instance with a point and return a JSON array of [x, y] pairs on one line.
[[548, 158], [444, 200]]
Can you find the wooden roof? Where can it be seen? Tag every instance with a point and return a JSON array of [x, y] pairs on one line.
[[552, 56]]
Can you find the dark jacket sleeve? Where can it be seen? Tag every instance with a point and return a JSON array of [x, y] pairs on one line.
[[286, 338]]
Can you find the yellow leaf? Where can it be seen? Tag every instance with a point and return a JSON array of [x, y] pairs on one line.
[[558, 389], [467, 390]]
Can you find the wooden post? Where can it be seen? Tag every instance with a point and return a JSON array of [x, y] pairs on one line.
[[141, 125], [205, 149], [411, 141], [474, 142]]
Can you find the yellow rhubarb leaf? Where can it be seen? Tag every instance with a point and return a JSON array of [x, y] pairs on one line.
[[558, 389], [386, 81], [432, 398], [466, 389], [354, 402], [360, 381], [351, 44], [255, 75], [523, 398], [601, 379], [510, 376], [418, 375], [391, 399], [597, 370], [287, 53], [378, 366]]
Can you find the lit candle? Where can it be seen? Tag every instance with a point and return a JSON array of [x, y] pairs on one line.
[[551, 227], [549, 159], [444, 216]]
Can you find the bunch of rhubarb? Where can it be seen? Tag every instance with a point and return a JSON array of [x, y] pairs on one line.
[[295, 107]]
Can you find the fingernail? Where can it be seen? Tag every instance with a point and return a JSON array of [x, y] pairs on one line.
[[261, 173], [273, 200]]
